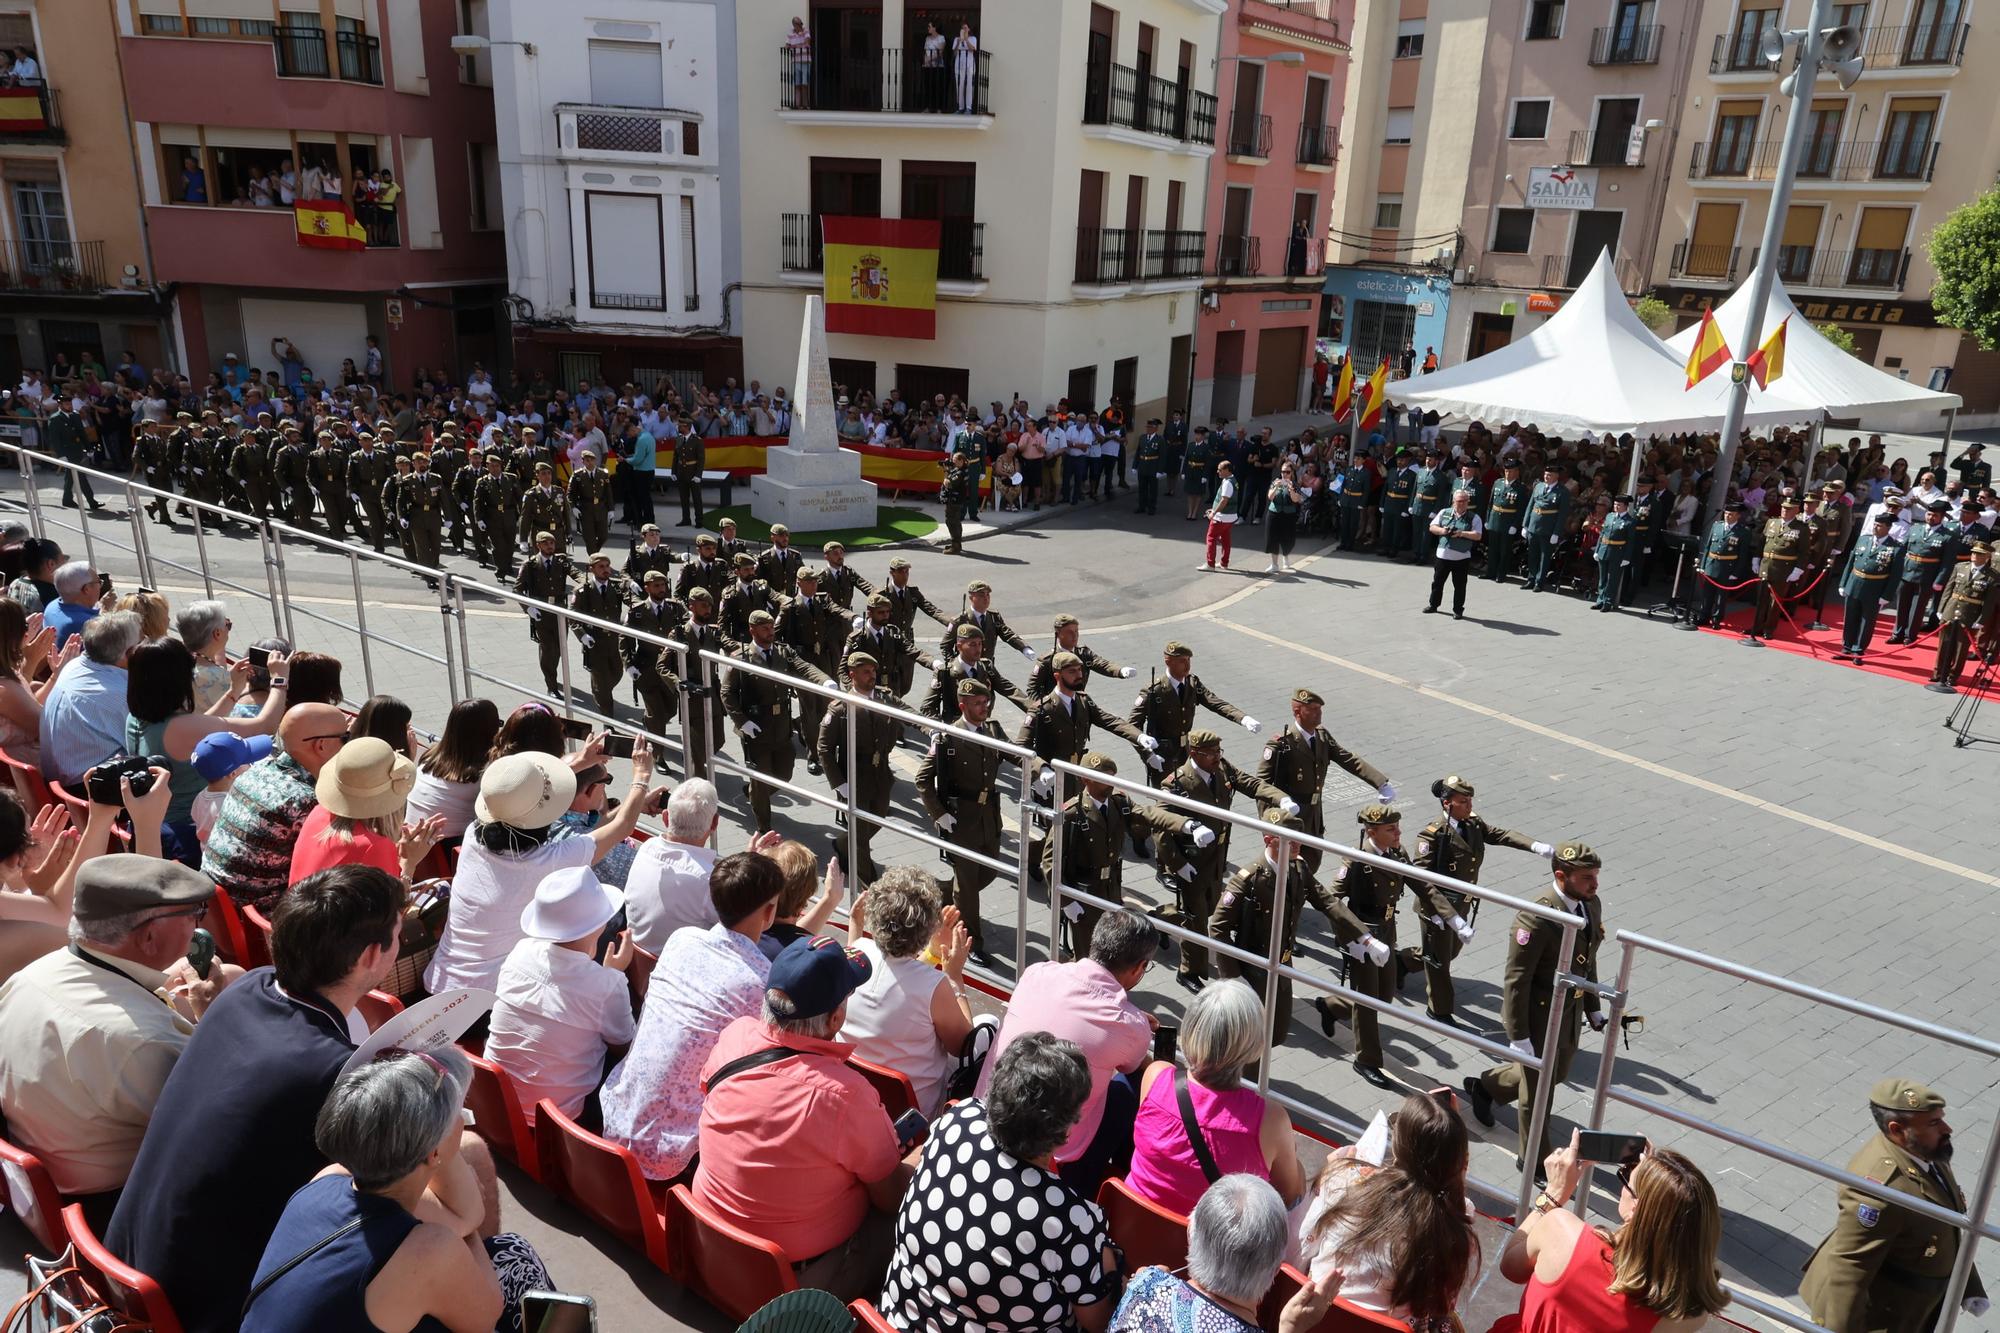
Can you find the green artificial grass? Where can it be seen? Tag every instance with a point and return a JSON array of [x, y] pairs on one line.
[[897, 525]]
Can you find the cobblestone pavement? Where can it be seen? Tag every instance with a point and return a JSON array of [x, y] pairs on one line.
[[1786, 814]]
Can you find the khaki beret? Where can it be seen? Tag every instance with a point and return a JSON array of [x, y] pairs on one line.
[[1891, 1094], [1576, 854], [1454, 785], [780, 530], [545, 536], [595, 556], [831, 547], [977, 585], [1064, 619], [860, 659], [969, 631], [971, 686], [700, 593], [1201, 738], [728, 524], [897, 562], [762, 617], [109, 886], [1378, 814], [1175, 648], [1306, 696], [879, 600], [650, 527], [705, 539], [1063, 661], [744, 560], [655, 574], [1098, 762]]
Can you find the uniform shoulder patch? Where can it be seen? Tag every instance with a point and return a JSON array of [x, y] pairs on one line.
[[1269, 750], [1423, 848], [1228, 899], [1523, 936], [1868, 1214]]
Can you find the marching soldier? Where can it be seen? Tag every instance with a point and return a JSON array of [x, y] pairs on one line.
[[604, 595], [761, 708], [368, 471], [1058, 727], [1786, 542], [992, 625], [250, 469], [651, 667], [1616, 542], [877, 635], [1548, 513], [392, 506], [814, 628], [1534, 957], [288, 471], [461, 501], [1972, 596], [1195, 859], [649, 554], [1723, 554], [206, 457], [496, 509], [1503, 520], [704, 571], [544, 508], [728, 545], [1884, 1268], [1242, 918], [967, 662], [1871, 570], [1297, 759], [545, 576], [905, 600], [1453, 844], [690, 457], [957, 785], [780, 565], [1924, 552], [1096, 822], [180, 455], [1834, 534], [745, 594], [154, 454], [699, 634], [876, 736], [450, 461], [958, 490], [326, 468], [1165, 711], [839, 583], [1067, 633], [420, 505], [526, 463]]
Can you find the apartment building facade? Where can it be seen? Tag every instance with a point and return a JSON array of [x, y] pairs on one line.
[[1282, 78], [1065, 160], [617, 153], [222, 94]]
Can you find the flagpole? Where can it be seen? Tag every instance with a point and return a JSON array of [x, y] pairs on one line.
[[1765, 272]]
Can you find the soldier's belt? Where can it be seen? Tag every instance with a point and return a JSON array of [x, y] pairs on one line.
[[1929, 559], [1506, 509], [1863, 574], [1611, 541], [1779, 555]]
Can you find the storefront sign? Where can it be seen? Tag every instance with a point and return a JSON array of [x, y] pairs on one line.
[[1562, 187], [1819, 310], [1541, 303]]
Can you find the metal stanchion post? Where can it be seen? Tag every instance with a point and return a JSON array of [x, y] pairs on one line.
[[267, 537], [445, 603], [1531, 1138], [856, 872], [139, 551], [1025, 842], [562, 651], [1606, 1060], [1056, 793], [83, 513], [208, 581], [1277, 947], [464, 644], [360, 621], [1976, 1209], [290, 631], [31, 492]]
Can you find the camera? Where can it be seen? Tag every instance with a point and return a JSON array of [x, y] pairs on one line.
[[102, 785]]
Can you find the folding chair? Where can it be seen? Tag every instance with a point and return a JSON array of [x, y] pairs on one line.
[[1148, 1233], [377, 1008], [225, 921], [256, 936], [131, 1292], [870, 1317], [79, 808], [893, 1086], [604, 1181], [495, 1102], [31, 1194], [726, 1266], [29, 784], [1340, 1316]]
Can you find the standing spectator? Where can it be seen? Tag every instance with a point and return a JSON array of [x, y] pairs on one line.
[[667, 888], [1236, 1242], [932, 91], [250, 848], [448, 775], [799, 55], [83, 714], [1221, 517], [78, 592], [371, 360], [1282, 502], [908, 1015], [291, 366], [194, 184], [965, 68], [1457, 531], [359, 819]]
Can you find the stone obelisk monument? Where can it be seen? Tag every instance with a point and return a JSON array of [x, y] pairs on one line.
[[812, 484]]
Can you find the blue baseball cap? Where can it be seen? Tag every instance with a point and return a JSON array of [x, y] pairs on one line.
[[223, 752], [817, 975]]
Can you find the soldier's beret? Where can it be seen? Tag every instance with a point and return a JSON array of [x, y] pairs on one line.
[[831, 547], [1576, 854], [420, 454], [110, 886], [879, 599], [1377, 814], [1201, 738], [596, 556], [650, 527], [968, 631], [1455, 785], [652, 574], [729, 524], [780, 530], [700, 594], [859, 659], [1064, 661], [545, 536], [544, 467], [978, 585], [1275, 814], [1939, 506], [1064, 619], [450, 428], [402, 460], [1891, 1094], [1097, 762], [762, 617], [809, 574], [1885, 519], [971, 686], [1175, 648], [897, 562], [705, 539], [1834, 485], [474, 452], [744, 560], [1303, 695], [589, 453]]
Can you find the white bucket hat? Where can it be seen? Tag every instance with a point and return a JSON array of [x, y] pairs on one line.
[[527, 790], [570, 904]]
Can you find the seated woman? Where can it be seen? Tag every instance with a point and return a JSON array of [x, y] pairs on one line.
[[359, 819], [390, 1236], [1236, 1243], [1221, 1034], [800, 915], [908, 1015]]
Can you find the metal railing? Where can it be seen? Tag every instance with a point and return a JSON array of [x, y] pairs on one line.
[[1707, 263], [961, 247], [1907, 46], [1107, 255], [1120, 95], [1305, 257], [1319, 145], [22, 128], [1595, 148], [1738, 53], [302, 54], [637, 132], [1912, 160], [52, 266], [1249, 134], [1238, 256], [1626, 45], [885, 80], [1174, 254]]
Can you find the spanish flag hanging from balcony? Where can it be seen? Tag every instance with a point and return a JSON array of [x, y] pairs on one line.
[[1768, 361], [21, 111], [329, 224], [1343, 389], [1709, 354], [881, 276], [1375, 394]]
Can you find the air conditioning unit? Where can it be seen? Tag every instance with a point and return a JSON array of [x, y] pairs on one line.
[[1211, 300]]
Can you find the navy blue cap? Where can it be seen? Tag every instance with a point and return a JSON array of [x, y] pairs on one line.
[[817, 975]]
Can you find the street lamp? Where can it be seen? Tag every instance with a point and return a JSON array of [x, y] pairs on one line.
[[471, 44]]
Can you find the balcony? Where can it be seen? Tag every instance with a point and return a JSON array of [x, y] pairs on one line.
[[1596, 148], [1913, 162], [1914, 46], [827, 89], [1567, 272], [1171, 255], [1239, 256], [302, 54], [52, 266], [1319, 147], [961, 247], [30, 113], [1705, 263], [1626, 46], [1107, 256], [1249, 137], [1738, 53], [1305, 257], [626, 134], [1120, 98]]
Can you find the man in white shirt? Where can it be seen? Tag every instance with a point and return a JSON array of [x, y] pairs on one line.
[[667, 887]]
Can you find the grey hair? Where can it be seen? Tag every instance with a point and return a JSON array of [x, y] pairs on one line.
[[1236, 1238], [198, 621], [1040, 1083], [13, 530], [108, 639], [691, 809], [1222, 1031], [904, 909], [1123, 940], [72, 576], [384, 1118], [111, 930], [781, 1013]]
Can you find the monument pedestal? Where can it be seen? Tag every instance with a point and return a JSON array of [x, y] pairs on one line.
[[813, 492]]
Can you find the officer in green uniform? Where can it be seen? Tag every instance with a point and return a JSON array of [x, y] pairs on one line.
[[605, 595], [1198, 470], [546, 576], [958, 492], [528, 456], [876, 736], [1617, 545], [1058, 727], [905, 600], [779, 566], [841, 583], [1454, 844], [1165, 709], [1724, 552], [1068, 640], [1149, 460], [698, 634], [1884, 1268], [896, 658], [1357, 488], [991, 624], [1503, 520], [1649, 515], [651, 667], [420, 506], [544, 508], [1096, 823], [1467, 480], [1431, 481], [368, 471], [761, 708], [690, 457], [1871, 570], [1924, 552], [1786, 541], [650, 553], [967, 662], [326, 468], [153, 454], [1297, 759], [496, 514], [744, 594], [704, 571], [458, 469], [1242, 918], [590, 496], [1972, 596], [1397, 492], [288, 472], [814, 628], [250, 469], [1548, 513], [392, 490], [957, 784]]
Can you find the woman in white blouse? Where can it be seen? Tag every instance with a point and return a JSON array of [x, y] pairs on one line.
[[908, 1015]]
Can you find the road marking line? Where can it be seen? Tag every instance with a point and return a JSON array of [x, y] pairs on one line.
[[1606, 752]]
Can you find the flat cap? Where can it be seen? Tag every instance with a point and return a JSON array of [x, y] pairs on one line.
[[1455, 785], [545, 536], [1891, 1094], [1175, 648], [1733, 505], [860, 659], [1098, 762], [1378, 814], [968, 631], [1575, 853], [762, 617], [122, 882], [1201, 738], [1064, 661], [1302, 695], [978, 585], [1064, 619], [971, 686], [744, 560], [897, 562]]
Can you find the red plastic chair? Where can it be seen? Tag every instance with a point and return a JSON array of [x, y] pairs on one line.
[[726, 1266], [1148, 1233], [1340, 1316], [32, 1196], [129, 1291], [870, 1317], [225, 922], [29, 784], [378, 1007], [497, 1115], [79, 808], [601, 1179], [893, 1086], [256, 937]]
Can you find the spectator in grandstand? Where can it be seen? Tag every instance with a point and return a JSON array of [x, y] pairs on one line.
[[509, 849], [399, 1232], [22, 656], [1400, 1234], [667, 887], [448, 775], [231, 1136], [1222, 1034], [162, 720], [298, 667], [155, 617], [83, 714], [529, 729], [999, 1150], [204, 627], [359, 819], [249, 851], [1236, 1242], [1656, 1271], [909, 1015], [705, 980], [1089, 1002], [78, 592], [799, 1150], [35, 588], [387, 718], [800, 915], [560, 1010], [221, 758]]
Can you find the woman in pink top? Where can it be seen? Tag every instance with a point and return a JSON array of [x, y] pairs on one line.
[[1221, 1033], [1654, 1274]]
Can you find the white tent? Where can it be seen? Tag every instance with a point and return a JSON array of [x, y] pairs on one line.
[[1593, 367], [1818, 371]]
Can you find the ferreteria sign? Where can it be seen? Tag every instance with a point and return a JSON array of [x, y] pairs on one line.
[[1562, 187], [1819, 310]]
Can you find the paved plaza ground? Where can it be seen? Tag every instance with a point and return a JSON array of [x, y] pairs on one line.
[[1786, 814]]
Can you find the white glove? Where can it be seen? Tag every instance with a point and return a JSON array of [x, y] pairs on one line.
[[1157, 764], [1795, 576], [1186, 872], [1387, 791], [1073, 910], [1252, 725], [533, 614], [1556, 540], [947, 822], [1045, 783], [1358, 950], [841, 791], [1523, 1048], [1544, 851], [590, 640], [1203, 835], [1378, 952], [1126, 673], [860, 621], [1513, 532], [465, 508], [1976, 1306], [482, 525], [404, 521], [1462, 928], [751, 730], [1757, 565], [1597, 1021], [1289, 806], [1029, 653], [1147, 743]]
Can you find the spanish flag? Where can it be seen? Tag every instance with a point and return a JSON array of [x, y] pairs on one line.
[[21, 111], [1343, 390], [328, 224], [1768, 361], [1710, 352], [1377, 393], [881, 276]]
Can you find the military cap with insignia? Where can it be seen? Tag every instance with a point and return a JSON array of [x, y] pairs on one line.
[[1098, 762], [762, 617], [1201, 738], [1576, 854], [123, 882], [1733, 506], [597, 558], [1884, 519], [831, 547], [545, 536], [971, 631], [1064, 661], [700, 594], [1302, 695], [1451, 786], [545, 467], [1276, 815], [897, 562], [1939, 506], [1622, 499], [978, 585], [881, 600], [653, 527], [1891, 1094], [1175, 648], [860, 659], [971, 686], [1377, 814], [705, 539], [743, 559], [1982, 548], [780, 530], [655, 574]]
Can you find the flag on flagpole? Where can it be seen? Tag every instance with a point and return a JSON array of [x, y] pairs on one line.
[[1768, 362], [1343, 390], [1710, 352], [1377, 390], [328, 224]]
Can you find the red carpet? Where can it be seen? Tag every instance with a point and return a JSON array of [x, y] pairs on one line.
[[1912, 662]]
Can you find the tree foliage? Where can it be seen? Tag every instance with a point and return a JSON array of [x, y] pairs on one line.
[[1965, 252], [1839, 337], [1653, 313]]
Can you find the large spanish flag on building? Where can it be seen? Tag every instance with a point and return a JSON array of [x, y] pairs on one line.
[[329, 224], [21, 111], [881, 276]]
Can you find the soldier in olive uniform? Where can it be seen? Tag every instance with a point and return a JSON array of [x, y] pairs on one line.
[[958, 492], [1617, 545], [392, 490], [814, 628], [326, 468], [1068, 633], [496, 511], [1972, 596], [780, 565], [458, 469], [761, 708], [1058, 727], [895, 656], [690, 458], [698, 634], [544, 508], [154, 455], [1548, 513], [649, 553], [876, 736], [1165, 709], [1833, 534], [957, 783], [1242, 918], [967, 662], [1871, 570], [1194, 860], [368, 471], [1724, 552], [1786, 542], [546, 576], [905, 600], [1297, 759], [1884, 1268], [1924, 552], [651, 667], [527, 458], [1534, 957], [604, 595], [420, 506], [1453, 844], [745, 593], [1503, 520], [590, 496], [840, 583], [728, 545], [289, 473], [1096, 822], [704, 571], [979, 611]]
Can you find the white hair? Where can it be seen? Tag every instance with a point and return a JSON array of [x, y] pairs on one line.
[[1222, 1031], [73, 576], [198, 622], [691, 809], [1236, 1238]]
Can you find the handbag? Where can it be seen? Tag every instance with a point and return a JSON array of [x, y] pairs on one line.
[[423, 922], [60, 1299]]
